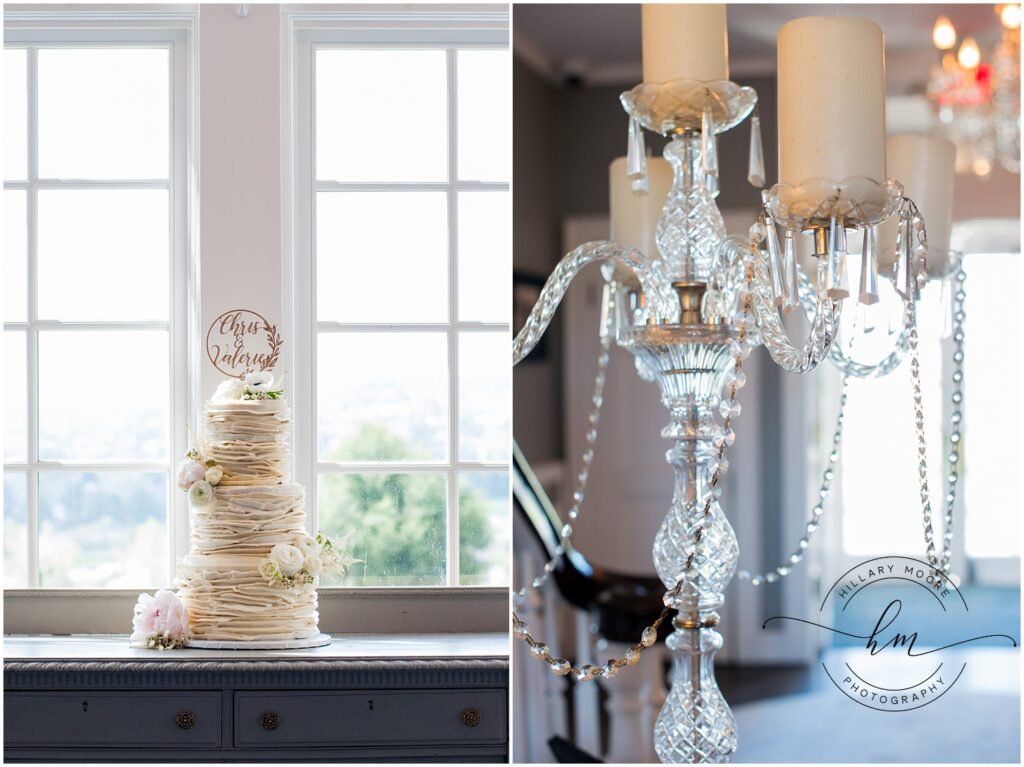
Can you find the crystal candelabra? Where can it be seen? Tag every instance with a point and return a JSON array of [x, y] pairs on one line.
[[702, 303]]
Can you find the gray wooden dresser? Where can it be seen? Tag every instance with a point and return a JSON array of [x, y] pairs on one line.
[[419, 698]]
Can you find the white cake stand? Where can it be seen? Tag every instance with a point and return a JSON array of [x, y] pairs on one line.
[[317, 640]]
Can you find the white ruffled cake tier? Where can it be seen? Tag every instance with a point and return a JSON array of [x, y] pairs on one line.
[[248, 520], [228, 600], [247, 440]]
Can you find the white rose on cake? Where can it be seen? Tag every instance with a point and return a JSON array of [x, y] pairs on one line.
[[268, 569], [214, 475], [307, 545], [288, 558], [230, 389]]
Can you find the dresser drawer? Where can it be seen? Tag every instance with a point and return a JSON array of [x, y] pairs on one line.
[[60, 719], [362, 718]]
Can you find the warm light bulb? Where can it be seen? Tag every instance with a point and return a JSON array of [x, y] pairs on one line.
[[943, 34], [969, 54], [1010, 16], [981, 166]]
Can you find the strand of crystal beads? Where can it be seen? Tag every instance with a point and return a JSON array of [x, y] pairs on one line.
[[939, 565], [730, 408], [597, 401], [814, 523]]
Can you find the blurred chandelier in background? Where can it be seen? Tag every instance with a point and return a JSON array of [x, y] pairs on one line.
[[979, 102]]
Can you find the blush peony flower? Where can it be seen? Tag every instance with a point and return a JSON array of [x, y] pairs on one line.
[[230, 389], [259, 381], [190, 471], [161, 615], [288, 558], [200, 493], [214, 475], [144, 619]]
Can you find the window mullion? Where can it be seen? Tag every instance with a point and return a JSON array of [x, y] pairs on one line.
[[32, 335], [452, 560]]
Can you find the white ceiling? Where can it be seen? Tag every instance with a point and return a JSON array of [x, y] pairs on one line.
[[600, 44]]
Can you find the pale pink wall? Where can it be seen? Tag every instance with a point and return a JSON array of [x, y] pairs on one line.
[[239, 167]]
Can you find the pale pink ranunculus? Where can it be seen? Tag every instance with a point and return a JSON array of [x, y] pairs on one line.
[[161, 614], [190, 471]]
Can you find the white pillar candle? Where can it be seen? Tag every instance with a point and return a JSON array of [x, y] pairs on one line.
[[926, 166], [831, 99], [684, 41], [634, 217]]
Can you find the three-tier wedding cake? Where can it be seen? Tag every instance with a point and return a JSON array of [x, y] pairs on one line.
[[251, 573]]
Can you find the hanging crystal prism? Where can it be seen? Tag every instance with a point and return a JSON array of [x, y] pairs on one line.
[[775, 263], [895, 315], [709, 150], [711, 182], [867, 318], [946, 307], [755, 168], [904, 259], [868, 293], [835, 274], [791, 299], [636, 157]]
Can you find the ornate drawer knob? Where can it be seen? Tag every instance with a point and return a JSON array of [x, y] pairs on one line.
[[471, 717], [270, 721], [185, 720]]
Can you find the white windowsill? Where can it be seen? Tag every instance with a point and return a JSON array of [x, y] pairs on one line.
[[357, 611]]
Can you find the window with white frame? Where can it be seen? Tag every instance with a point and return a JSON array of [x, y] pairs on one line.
[[881, 510], [95, 299], [402, 267]]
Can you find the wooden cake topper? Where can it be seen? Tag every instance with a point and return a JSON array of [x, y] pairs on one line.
[[241, 341]]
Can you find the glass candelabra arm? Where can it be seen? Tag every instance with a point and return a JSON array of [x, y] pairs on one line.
[[824, 320], [846, 364], [659, 303]]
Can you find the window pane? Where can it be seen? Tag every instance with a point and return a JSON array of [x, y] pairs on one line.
[[991, 459], [103, 395], [381, 115], [382, 256], [870, 465], [15, 531], [103, 254], [483, 528], [397, 524], [102, 529], [484, 397], [104, 113], [15, 256], [15, 400], [382, 397], [485, 257], [15, 114], [485, 119]]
